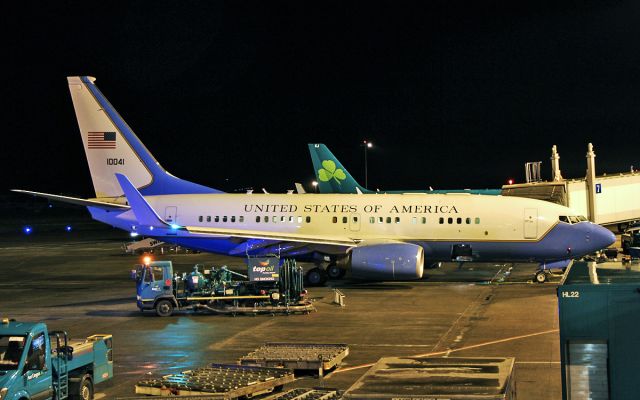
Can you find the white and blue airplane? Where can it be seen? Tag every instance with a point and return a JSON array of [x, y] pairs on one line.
[[377, 236]]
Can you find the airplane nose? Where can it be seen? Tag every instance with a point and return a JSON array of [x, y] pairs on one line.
[[601, 237]]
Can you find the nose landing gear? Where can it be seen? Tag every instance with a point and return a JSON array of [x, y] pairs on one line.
[[541, 276]]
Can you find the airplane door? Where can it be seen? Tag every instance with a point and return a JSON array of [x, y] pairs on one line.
[[530, 223], [354, 222], [171, 214]]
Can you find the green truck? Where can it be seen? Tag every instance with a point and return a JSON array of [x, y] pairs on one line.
[[38, 364]]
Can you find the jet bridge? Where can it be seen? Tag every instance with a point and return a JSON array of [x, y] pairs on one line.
[[608, 199]]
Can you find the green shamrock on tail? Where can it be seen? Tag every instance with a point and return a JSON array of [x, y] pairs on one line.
[[329, 172]]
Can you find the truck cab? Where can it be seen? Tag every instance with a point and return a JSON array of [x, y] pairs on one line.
[[154, 285], [38, 364]]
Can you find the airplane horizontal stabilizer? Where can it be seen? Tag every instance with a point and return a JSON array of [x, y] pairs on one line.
[[74, 200], [144, 213]]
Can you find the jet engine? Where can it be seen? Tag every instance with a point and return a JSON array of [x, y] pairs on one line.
[[387, 261]]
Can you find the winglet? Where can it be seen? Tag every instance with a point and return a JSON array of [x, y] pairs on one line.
[[144, 213], [299, 188]]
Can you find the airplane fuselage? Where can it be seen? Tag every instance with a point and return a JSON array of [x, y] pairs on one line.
[[497, 228]]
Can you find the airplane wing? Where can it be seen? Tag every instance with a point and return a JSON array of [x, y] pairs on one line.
[[75, 200], [276, 236]]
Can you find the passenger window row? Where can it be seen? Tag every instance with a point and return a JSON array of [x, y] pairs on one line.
[[459, 220], [282, 219], [345, 219], [372, 220], [414, 220], [224, 218], [274, 219], [380, 220]]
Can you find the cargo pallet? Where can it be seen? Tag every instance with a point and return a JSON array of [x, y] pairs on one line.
[[205, 397], [451, 378], [306, 394], [293, 394], [298, 356], [219, 381]]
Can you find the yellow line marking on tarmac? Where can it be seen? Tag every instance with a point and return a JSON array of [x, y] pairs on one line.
[[447, 352], [537, 362], [388, 345]]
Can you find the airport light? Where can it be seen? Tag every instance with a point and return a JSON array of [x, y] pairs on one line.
[[315, 186], [27, 230], [367, 145], [67, 228]]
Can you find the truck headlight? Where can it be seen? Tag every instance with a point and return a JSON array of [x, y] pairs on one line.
[[3, 393]]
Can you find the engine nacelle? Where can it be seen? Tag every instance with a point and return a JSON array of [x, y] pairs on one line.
[[387, 261]]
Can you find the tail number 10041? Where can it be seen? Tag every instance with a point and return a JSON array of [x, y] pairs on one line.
[[115, 161]]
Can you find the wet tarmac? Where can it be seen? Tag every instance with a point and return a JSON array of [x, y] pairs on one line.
[[80, 282]]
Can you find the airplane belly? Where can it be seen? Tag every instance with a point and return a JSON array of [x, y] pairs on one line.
[[554, 246]]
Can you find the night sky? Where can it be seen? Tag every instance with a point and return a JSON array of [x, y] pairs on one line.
[[228, 94]]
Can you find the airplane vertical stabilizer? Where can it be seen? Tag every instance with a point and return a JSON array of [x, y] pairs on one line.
[[331, 175], [112, 147]]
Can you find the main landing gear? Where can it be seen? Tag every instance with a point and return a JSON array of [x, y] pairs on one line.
[[318, 276], [335, 272]]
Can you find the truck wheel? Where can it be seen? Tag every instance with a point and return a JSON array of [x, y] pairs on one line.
[[316, 277], [541, 276], [84, 389], [164, 308], [335, 272]]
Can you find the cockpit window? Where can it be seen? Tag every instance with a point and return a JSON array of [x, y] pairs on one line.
[[572, 219]]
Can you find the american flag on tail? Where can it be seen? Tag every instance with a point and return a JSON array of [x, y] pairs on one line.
[[101, 140]]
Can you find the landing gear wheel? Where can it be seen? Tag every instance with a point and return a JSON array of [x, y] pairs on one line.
[[316, 277], [541, 276], [164, 308], [83, 390], [335, 272]]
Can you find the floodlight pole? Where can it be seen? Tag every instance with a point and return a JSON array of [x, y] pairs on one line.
[[367, 145]]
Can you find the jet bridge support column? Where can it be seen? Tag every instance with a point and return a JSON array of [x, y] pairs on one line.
[[591, 183], [556, 176]]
